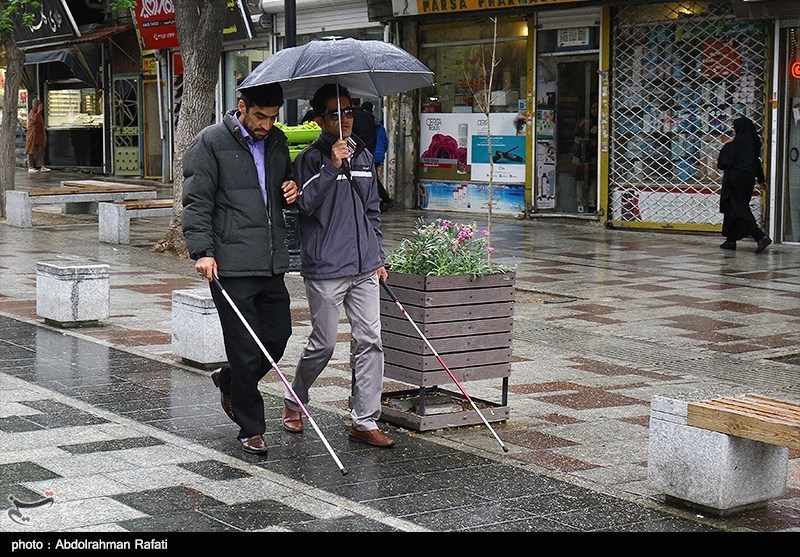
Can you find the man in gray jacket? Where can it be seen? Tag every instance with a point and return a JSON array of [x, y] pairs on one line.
[[342, 262], [237, 181]]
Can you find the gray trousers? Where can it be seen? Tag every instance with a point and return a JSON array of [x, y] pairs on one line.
[[360, 297]]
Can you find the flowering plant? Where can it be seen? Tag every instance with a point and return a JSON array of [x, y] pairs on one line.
[[444, 247]]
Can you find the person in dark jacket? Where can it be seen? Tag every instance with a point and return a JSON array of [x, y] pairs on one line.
[[370, 130], [342, 262], [740, 161], [237, 181]]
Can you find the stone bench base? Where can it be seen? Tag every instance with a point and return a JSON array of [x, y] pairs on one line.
[[713, 472], [72, 293], [114, 219], [196, 332]]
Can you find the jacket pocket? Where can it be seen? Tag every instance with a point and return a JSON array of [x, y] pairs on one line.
[[227, 230]]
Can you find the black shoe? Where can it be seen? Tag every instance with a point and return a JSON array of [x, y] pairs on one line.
[[728, 245], [224, 399], [763, 243], [254, 445]]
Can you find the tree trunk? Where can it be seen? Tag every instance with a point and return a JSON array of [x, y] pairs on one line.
[[199, 25], [15, 61]]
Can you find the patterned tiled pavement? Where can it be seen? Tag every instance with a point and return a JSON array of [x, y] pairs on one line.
[[125, 437]]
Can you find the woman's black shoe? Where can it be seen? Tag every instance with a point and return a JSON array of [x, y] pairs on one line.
[[728, 245], [763, 243]]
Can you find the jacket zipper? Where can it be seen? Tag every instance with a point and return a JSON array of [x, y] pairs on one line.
[[357, 228], [267, 181]]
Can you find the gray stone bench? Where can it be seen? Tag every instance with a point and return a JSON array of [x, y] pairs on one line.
[[196, 332], [77, 196], [721, 455], [114, 219], [72, 293]]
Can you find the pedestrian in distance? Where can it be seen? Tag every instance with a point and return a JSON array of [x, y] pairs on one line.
[[342, 262], [740, 162], [36, 138], [237, 181], [372, 132]]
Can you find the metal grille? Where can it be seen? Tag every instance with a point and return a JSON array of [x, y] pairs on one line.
[[125, 119], [681, 73]]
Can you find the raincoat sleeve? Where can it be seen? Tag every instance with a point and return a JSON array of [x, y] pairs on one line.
[[316, 176], [200, 178]]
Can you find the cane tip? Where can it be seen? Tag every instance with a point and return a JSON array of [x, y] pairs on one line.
[[505, 449], [344, 472]]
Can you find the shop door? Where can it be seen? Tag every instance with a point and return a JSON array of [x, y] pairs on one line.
[[126, 125], [576, 135], [791, 225], [791, 152], [152, 130]]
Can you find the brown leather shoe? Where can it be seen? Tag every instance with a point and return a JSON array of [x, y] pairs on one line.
[[224, 399], [374, 437], [254, 444], [292, 420]]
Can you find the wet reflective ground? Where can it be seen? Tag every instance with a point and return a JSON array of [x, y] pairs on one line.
[[127, 437]]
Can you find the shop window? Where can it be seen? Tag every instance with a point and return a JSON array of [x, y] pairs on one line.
[[460, 56]]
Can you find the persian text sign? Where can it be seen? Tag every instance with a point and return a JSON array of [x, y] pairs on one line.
[[156, 22], [52, 23], [423, 7]]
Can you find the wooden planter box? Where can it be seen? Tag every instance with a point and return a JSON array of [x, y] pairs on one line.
[[469, 322]]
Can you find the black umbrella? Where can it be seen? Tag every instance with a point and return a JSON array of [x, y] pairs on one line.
[[366, 68]]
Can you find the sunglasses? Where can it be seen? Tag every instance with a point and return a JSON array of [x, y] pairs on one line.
[[346, 112]]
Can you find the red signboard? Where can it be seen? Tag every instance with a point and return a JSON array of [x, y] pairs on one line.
[[155, 20]]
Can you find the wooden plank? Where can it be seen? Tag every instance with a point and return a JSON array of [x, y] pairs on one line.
[[453, 361], [750, 406], [726, 417], [400, 325], [449, 282], [455, 313], [101, 185], [433, 378], [462, 343], [146, 204], [455, 297]]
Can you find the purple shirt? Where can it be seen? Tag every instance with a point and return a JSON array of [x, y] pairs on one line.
[[257, 150]]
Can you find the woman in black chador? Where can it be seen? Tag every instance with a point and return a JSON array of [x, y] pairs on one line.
[[740, 161]]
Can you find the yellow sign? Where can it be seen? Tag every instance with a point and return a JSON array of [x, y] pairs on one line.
[[423, 7]]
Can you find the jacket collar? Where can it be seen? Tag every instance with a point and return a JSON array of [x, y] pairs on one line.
[[231, 122]]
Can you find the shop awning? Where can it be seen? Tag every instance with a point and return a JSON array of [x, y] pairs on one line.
[[71, 58]]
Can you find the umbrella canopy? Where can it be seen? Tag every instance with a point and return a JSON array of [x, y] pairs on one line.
[[366, 68]]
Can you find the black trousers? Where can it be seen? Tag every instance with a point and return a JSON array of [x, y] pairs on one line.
[[264, 303]]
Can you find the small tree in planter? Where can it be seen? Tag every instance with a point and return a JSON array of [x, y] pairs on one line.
[[463, 304]]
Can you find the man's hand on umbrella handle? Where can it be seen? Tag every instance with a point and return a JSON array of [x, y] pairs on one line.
[[289, 191], [206, 267], [339, 152]]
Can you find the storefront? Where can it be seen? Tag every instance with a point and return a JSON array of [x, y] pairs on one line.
[[614, 114], [472, 135], [681, 74], [65, 61]]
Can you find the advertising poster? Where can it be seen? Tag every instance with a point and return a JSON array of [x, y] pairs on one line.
[[472, 198], [546, 174], [446, 141], [507, 158]]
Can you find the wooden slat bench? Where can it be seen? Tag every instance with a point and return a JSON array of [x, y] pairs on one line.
[[114, 219], [75, 195], [722, 455], [751, 416]]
